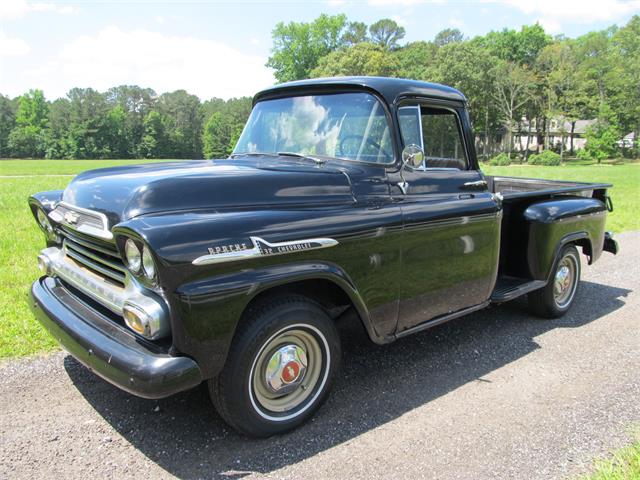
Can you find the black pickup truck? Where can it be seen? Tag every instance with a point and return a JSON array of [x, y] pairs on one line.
[[343, 196]]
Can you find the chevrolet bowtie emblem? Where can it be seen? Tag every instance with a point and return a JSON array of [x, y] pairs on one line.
[[71, 217]]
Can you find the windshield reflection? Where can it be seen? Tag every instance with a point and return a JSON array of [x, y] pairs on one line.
[[351, 126]]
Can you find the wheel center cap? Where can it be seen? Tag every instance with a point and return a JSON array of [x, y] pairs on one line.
[[290, 372], [286, 369]]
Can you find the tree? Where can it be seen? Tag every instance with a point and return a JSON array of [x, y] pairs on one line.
[[183, 121], [513, 87], [626, 45], [115, 133], [298, 46], [27, 138], [217, 136], [136, 102], [415, 60], [356, 32], [386, 33], [602, 136], [8, 109], [360, 59], [447, 36], [467, 67], [520, 47], [153, 143]]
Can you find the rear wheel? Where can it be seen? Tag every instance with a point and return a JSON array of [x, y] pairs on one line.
[[279, 369], [556, 298]]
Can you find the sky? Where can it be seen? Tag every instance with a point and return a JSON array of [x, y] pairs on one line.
[[219, 48]]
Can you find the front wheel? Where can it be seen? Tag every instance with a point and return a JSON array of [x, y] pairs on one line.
[[556, 298], [279, 369]]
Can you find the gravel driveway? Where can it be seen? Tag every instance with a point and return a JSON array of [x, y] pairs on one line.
[[498, 394]]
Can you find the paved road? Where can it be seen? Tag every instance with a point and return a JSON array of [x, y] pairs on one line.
[[498, 394]]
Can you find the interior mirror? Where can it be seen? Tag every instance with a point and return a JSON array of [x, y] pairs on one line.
[[412, 156]]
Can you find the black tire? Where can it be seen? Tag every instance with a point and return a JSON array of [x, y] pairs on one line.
[[547, 302], [241, 392]]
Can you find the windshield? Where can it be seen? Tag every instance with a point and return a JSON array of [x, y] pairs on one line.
[[352, 126]]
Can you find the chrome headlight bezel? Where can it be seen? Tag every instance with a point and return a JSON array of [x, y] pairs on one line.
[[132, 256], [43, 221], [148, 264], [139, 260]]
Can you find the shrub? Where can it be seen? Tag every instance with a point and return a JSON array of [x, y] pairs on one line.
[[501, 160], [547, 158]]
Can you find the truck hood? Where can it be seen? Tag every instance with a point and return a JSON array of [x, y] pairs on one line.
[[125, 192]]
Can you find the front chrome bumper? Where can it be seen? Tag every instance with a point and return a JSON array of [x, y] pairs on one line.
[[54, 263], [134, 365]]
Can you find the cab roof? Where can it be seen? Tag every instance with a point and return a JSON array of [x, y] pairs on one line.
[[388, 88]]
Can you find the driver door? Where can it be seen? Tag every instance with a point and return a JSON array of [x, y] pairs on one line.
[[451, 222]]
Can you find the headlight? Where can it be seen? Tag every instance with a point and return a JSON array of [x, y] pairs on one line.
[[44, 222], [132, 255], [148, 266]]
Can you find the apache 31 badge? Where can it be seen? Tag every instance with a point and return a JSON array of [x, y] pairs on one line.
[[260, 248]]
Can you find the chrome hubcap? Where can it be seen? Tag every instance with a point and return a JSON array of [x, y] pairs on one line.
[[564, 281], [286, 369]]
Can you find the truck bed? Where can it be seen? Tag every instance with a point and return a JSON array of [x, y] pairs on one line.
[[512, 188]]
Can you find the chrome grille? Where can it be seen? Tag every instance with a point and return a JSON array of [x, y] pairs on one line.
[[102, 259], [82, 220]]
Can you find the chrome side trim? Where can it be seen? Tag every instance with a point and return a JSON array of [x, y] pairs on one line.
[[262, 248], [103, 233]]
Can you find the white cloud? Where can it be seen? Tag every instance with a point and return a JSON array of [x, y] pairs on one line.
[[456, 23], [553, 12], [12, 46], [165, 63], [14, 9]]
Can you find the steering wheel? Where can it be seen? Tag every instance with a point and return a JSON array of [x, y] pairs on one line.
[[360, 138]]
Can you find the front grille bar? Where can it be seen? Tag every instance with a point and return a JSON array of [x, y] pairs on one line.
[[94, 262]]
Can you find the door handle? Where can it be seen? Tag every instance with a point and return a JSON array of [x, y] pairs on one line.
[[479, 185]]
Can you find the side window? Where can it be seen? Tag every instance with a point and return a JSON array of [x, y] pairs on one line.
[[436, 131], [410, 128], [442, 142]]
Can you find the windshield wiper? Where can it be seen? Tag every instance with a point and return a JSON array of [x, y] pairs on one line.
[[253, 154], [317, 160]]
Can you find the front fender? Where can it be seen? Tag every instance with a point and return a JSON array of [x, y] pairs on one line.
[[211, 308]]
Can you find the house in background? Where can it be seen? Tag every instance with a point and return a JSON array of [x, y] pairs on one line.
[[562, 135], [627, 141]]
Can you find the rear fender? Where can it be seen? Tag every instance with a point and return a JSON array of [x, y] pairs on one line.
[[554, 223]]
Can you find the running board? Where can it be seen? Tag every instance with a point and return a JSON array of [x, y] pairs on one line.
[[508, 288], [441, 319]]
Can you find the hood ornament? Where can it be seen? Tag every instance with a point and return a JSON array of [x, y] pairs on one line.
[[261, 248]]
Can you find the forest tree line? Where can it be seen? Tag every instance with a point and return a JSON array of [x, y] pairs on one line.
[[508, 76]]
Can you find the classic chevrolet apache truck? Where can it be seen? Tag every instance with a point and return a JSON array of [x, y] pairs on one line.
[[344, 196]]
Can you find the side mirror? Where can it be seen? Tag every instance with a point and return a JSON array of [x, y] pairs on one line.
[[412, 156]]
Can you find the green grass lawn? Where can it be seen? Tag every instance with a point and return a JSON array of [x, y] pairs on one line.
[[622, 465], [61, 167], [625, 192], [20, 238]]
